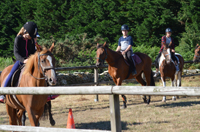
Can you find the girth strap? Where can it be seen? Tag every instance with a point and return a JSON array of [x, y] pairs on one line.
[[17, 101]]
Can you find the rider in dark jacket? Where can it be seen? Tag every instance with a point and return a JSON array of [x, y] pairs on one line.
[[24, 46]]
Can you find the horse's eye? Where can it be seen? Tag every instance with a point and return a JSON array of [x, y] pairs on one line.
[[42, 61]]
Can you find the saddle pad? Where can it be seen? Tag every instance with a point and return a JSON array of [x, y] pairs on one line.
[[136, 59]]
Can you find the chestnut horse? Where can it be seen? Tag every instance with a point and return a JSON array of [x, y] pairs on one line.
[[167, 68], [196, 54], [38, 69], [119, 69]]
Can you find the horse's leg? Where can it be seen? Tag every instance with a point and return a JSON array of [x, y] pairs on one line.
[[149, 79], [164, 85], [38, 115], [52, 121], [12, 113], [173, 79], [179, 81], [143, 83], [31, 116], [23, 118], [19, 116], [118, 82]]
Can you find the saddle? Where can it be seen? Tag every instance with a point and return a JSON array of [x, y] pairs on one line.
[[136, 59], [16, 77], [12, 100]]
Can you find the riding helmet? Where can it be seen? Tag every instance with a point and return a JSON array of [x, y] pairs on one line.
[[31, 28], [168, 30], [124, 27]]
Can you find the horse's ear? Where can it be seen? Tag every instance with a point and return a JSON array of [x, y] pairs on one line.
[[51, 48], [97, 45], [197, 46], [38, 47], [104, 44]]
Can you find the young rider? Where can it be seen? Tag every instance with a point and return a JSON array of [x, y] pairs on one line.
[[24, 46], [125, 44], [167, 39]]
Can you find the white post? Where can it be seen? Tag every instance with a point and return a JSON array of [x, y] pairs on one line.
[[96, 82], [115, 120]]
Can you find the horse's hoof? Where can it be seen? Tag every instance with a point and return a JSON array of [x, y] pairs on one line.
[[173, 98], [123, 107], [148, 101], [145, 100], [52, 122]]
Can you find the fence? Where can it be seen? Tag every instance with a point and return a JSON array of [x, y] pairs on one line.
[[112, 91]]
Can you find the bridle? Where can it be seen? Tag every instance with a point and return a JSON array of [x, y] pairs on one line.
[[98, 58], [42, 67], [166, 54]]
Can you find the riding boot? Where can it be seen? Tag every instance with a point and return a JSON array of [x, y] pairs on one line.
[[2, 98], [134, 72]]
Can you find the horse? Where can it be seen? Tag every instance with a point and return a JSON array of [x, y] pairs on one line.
[[196, 54], [38, 69], [167, 68], [119, 69]]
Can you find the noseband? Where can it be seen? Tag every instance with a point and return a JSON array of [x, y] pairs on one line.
[[105, 57], [42, 67]]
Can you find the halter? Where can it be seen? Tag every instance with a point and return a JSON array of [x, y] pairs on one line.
[[43, 68], [104, 58]]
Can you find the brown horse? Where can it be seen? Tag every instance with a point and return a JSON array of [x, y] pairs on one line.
[[38, 69], [167, 68], [196, 54], [119, 69]]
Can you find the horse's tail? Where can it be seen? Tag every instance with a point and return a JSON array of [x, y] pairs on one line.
[[45, 114], [152, 79]]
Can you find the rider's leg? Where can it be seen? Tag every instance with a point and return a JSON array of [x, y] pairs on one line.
[[157, 65], [175, 61], [8, 80], [130, 59]]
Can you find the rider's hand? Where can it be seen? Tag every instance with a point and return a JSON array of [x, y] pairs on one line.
[[25, 60], [173, 50], [123, 53]]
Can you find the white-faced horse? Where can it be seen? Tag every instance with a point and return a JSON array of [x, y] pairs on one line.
[[167, 69]]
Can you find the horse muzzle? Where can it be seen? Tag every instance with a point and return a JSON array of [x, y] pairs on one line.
[[52, 81]]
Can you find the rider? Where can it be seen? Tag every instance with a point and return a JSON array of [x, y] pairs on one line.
[[167, 39], [24, 46], [125, 44]]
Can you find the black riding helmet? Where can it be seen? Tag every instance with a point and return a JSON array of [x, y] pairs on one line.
[[31, 28], [124, 27]]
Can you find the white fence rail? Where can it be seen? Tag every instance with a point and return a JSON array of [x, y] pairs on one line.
[[112, 91]]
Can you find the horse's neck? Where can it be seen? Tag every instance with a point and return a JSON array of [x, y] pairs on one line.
[[112, 57], [161, 59], [37, 73]]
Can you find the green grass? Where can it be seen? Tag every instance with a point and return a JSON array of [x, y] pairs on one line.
[[4, 62]]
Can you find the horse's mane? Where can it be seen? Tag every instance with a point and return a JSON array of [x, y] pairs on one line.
[[29, 67], [117, 53]]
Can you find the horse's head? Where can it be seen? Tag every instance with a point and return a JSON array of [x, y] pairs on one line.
[[167, 53], [196, 54], [101, 54], [46, 64]]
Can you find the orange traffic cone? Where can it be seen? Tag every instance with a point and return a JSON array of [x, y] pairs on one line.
[[70, 120]]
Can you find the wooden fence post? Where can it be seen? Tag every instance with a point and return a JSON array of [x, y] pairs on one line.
[[115, 120], [96, 82]]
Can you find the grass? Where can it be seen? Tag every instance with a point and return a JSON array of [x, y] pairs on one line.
[[4, 62]]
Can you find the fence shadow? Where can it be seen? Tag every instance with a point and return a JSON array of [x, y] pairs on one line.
[[178, 104], [101, 125]]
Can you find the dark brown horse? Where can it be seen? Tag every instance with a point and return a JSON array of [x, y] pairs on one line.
[[119, 69], [196, 54], [40, 67], [167, 68]]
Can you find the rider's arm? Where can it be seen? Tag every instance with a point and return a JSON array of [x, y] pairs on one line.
[[118, 48], [128, 48], [16, 50], [119, 45]]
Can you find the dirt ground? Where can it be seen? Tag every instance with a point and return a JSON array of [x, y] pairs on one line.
[[182, 115]]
